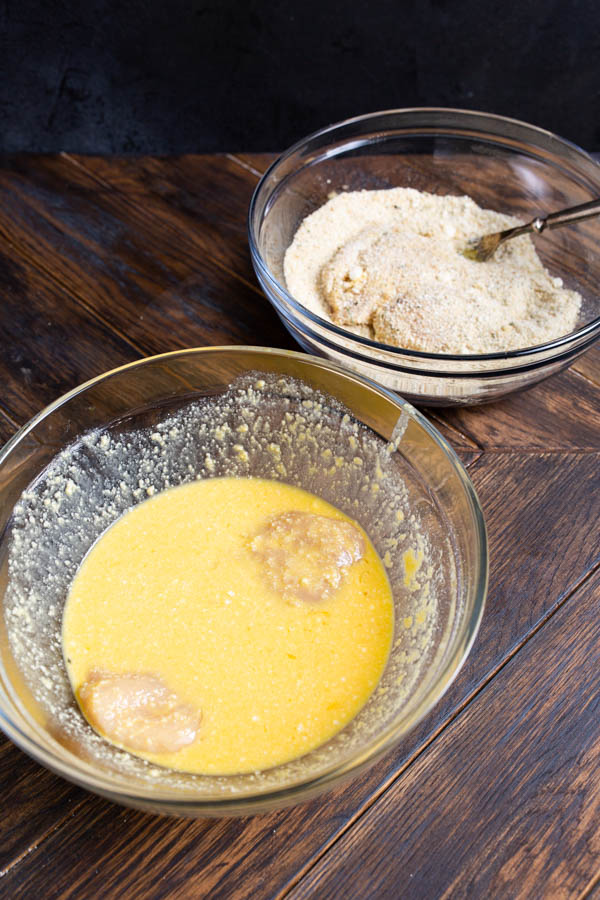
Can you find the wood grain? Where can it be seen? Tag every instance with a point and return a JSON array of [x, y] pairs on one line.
[[37, 801], [561, 413], [460, 824], [8, 426], [588, 365], [49, 343], [213, 190], [131, 260], [262, 855], [103, 260], [202, 199], [465, 447]]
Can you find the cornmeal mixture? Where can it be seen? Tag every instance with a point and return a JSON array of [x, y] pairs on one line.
[[227, 625], [388, 265]]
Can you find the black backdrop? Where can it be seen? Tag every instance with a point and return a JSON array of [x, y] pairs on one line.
[[184, 75]]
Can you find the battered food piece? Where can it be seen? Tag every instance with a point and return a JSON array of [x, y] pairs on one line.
[[306, 557], [138, 711], [388, 264]]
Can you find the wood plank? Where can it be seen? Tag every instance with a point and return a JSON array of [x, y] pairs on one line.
[[210, 189], [467, 450], [558, 414], [496, 820], [592, 889], [183, 183], [544, 532], [37, 800], [588, 365], [104, 848], [176, 317], [135, 260], [203, 199], [48, 342], [467, 456]]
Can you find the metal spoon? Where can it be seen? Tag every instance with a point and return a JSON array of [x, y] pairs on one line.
[[483, 248]]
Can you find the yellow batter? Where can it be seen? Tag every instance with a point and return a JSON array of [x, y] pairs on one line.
[[175, 590]]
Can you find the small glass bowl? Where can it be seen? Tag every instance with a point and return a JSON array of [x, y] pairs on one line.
[[502, 164], [102, 435]]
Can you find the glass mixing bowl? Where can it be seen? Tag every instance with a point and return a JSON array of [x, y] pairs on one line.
[[107, 445], [503, 165]]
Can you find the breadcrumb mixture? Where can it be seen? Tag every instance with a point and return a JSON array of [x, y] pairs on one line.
[[388, 265]]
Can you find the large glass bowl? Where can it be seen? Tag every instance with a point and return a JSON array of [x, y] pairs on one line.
[[73, 469], [503, 165]]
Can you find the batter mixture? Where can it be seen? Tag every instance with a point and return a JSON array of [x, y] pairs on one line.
[[227, 625], [388, 265]]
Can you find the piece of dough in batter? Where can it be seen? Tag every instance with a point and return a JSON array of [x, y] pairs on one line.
[[138, 711], [307, 557]]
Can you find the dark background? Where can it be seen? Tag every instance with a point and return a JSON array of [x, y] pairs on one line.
[[162, 77]]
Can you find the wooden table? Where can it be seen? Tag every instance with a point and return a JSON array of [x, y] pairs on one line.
[[497, 794]]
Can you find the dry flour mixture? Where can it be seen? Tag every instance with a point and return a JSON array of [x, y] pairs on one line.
[[388, 265]]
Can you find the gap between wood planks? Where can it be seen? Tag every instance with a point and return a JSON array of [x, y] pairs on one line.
[[595, 881], [585, 377], [245, 165], [373, 799], [6, 418], [504, 803], [249, 169], [439, 418]]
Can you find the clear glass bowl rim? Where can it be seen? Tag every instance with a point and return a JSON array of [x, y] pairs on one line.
[[88, 777], [471, 118]]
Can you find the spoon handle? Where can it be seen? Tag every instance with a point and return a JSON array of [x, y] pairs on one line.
[[565, 216], [483, 248]]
